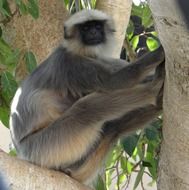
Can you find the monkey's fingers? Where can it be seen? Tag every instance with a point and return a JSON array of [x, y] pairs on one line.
[[160, 71], [132, 121], [159, 100], [153, 58]]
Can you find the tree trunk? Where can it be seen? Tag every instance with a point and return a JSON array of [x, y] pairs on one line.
[[120, 11], [174, 156], [39, 36]]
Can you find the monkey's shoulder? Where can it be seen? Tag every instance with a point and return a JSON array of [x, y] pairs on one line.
[[50, 72]]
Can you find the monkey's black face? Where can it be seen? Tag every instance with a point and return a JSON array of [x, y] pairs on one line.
[[92, 32]]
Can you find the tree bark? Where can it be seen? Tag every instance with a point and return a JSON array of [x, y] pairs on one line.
[[174, 156], [120, 11]]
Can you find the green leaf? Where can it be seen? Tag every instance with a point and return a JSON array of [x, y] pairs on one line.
[[130, 30], [130, 143], [146, 16], [109, 176], [152, 43], [8, 57], [13, 152], [153, 169], [154, 33], [139, 177], [153, 160], [30, 61], [4, 115], [129, 167], [136, 10], [146, 164], [93, 4], [112, 157], [33, 8], [157, 124], [144, 12], [9, 86], [151, 133], [66, 2], [135, 41], [100, 185], [121, 178], [5, 49], [140, 150], [13, 58], [123, 163], [22, 7], [150, 151], [6, 7]]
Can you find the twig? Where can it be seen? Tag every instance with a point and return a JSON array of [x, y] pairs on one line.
[[131, 54]]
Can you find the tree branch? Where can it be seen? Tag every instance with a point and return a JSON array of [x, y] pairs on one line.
[[24, 175]]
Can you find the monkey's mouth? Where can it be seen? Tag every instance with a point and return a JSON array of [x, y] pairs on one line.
[[94, 41]]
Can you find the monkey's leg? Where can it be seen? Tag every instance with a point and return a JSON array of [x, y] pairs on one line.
[[130, 122], [87, 167], [112, 130]]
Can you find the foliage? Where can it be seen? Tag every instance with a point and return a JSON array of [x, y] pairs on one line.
[[23, 7], [137, 153], [9, 57], [8, 84], [76, 5]]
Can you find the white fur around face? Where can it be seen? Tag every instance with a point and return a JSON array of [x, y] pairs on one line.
[[74, 44], [85, 15], [102, 50]]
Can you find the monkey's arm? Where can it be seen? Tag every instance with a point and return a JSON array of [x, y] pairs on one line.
[[82, 75], [133, 73], [93, 76], [136, 119]]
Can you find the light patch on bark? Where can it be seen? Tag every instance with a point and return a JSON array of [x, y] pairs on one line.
[[120, 11]]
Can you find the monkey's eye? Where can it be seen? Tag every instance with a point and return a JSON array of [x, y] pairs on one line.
[[85, 28], [98, 26]]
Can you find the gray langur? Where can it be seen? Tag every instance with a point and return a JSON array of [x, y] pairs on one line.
[[70, 111]]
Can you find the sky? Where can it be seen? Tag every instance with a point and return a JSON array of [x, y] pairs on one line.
[[137, 2]]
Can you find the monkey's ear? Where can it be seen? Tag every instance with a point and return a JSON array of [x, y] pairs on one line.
[[110, 25], [68, 33], [66, 36]]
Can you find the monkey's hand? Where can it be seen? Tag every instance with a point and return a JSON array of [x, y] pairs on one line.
[[160, 76]]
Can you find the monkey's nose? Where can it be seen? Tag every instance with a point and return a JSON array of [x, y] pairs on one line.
[[93, 32]]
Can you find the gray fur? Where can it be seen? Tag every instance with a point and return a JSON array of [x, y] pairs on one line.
[[64, 108]]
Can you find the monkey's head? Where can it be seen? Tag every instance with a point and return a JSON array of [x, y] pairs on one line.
[[89, 33]]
